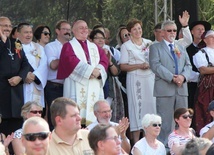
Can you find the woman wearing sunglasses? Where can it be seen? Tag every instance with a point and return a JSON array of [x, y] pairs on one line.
[[30, 109], [149, 145], [182, 133], [42, 34]]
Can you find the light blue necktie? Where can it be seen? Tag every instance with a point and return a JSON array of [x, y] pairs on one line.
[[175, 58]]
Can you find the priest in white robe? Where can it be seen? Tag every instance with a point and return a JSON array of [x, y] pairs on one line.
[[37, 76], [83, 65]]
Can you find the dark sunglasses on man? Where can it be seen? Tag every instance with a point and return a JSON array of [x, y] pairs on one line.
[[33, 136]]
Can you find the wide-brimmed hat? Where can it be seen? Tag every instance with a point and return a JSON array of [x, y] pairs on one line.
[[207, 25]]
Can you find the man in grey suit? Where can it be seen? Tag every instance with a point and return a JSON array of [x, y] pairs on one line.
[[171, 65]]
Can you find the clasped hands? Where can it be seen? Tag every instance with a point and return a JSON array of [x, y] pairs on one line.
[[30, 78], [178, 79], [95, 74], [144, 66], [14, 80]]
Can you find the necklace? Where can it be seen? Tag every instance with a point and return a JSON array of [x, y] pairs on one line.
[[9, 51], [138, 46]]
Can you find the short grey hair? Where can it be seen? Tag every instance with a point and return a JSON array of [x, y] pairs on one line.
[[27, 107], [166, 23], [97, 105], [196, 145], [35, 120], [148, 119]]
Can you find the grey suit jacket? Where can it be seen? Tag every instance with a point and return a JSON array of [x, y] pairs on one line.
[[162, 64]]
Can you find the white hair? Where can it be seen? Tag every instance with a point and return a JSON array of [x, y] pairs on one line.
[[166, 23], [148, 119]]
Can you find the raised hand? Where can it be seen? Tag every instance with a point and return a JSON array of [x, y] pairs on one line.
[[184, 19]]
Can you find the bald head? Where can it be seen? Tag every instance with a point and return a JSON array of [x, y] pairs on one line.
[[99, 104], [80, 30], [4, 18]]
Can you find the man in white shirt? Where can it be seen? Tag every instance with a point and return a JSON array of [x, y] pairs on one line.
[[103, 111], [208, 130], [54, 87]]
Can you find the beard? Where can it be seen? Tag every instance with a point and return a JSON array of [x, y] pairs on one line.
[[171, 38]]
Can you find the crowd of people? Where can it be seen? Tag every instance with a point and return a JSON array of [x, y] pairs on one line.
[[79, 95]]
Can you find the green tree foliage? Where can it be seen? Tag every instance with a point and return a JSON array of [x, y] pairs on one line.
[[111, 13]]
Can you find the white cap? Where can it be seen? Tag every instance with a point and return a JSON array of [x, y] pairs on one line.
[[210, 32]]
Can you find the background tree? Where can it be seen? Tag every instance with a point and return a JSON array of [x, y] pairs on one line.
[[111, 13]]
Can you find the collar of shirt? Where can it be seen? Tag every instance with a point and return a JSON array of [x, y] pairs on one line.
[[58, 140]]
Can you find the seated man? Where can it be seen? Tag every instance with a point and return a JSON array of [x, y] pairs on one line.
[[67, 137], [102, 111], [208, 130], [36, 136]]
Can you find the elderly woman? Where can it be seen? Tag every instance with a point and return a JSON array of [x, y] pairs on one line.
[[112, 92], [204, 62], [30, 109], [42, 34], [103, 139], [183, 133], [140, 79], [149, 145]]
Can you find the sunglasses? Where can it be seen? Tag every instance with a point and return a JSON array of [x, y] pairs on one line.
[[186, 116], [171, 30], [126, 35], [46, 33], [33, 136], [155, 125], [36, 111]]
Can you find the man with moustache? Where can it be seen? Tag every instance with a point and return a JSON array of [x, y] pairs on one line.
[[83, 65], [171, 65], [13, 71], [54, 87]]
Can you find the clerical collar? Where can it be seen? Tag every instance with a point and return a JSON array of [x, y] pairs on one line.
[[80, 41]]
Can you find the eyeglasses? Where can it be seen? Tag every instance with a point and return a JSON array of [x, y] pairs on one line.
[[33, 136], [115, 138], [6, 26], [126, 35], [171, 30], [36, 111], [105, 112], [186, 116], [46, 33], [100, 38], [155, 125]]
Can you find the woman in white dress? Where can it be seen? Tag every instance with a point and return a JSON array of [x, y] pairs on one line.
[[140, 79], [149, 145]]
